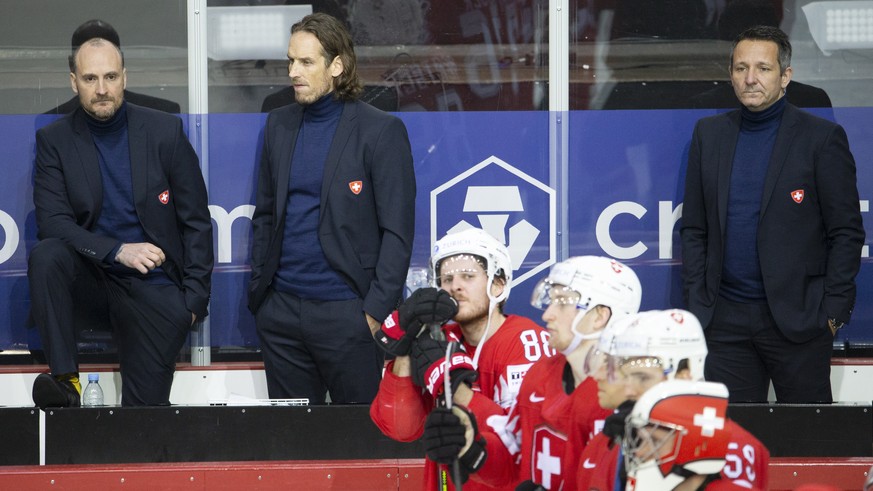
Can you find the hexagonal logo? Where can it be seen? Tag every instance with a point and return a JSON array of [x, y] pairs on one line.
[[507, 203]]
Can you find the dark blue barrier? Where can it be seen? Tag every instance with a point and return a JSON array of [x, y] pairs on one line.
[[488, 169]]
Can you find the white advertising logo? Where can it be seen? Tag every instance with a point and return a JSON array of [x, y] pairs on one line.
[[10, 229], [515, 208]]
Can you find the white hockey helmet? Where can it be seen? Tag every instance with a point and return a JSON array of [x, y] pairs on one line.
[[600, 356], [597, 281], [676, 428], [671, 339], [479, 243], [592, 281]]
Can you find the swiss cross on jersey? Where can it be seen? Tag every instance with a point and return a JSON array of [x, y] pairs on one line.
[[164, 197], [356, 186], [797, 195], [548, 447]]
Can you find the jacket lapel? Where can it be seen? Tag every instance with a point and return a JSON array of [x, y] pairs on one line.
[[88, 159], [138, 144], [784, 137], [726, 151], [286, 133], [347, 124]]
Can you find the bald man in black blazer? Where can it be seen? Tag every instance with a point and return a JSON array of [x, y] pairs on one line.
[[122, 216]]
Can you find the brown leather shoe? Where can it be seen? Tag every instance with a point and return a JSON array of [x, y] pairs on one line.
[[51, 392]]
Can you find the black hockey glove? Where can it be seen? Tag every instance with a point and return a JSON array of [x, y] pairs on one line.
[[428, 365], [613, 426], [451, 434], [425, 306], [529, 486]]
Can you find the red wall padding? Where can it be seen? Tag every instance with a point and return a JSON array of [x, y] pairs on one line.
[[364, 475]]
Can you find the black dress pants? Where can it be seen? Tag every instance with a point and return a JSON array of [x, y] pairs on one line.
[[150, 320], [312, 347], [747, 351]]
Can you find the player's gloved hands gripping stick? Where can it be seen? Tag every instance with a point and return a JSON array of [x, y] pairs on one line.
[[452, 434], [426, 306], [429, 365]]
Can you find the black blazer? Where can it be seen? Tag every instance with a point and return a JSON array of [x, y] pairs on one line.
[[68, 194], [809, 249], [366, 237]]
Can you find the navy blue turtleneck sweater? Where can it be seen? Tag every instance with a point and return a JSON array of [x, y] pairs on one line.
[[118, 218], [303, 268], [741, 274]]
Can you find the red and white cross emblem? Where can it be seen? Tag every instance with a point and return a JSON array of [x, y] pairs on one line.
[[548, 447], [356, 186], [164, 197], [616, 266], [708, 421], [797, 195]]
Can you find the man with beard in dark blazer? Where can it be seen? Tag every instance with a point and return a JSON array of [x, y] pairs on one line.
[[333, 225], [123, 221]]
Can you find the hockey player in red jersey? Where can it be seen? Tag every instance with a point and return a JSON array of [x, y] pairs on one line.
[[597, 465], [474, 270], [647, 349], [580, 297]]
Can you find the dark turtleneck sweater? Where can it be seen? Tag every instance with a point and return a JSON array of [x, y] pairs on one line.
[[118, 218], [741, 275], [303, 267]]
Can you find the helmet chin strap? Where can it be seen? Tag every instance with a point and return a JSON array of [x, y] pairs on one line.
[[578, 337], [492, 302]]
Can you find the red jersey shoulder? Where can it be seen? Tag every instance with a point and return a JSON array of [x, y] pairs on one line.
[[514, 335], [507, 356], [520, 340], [588, 416], [747, 459], [542, 371]]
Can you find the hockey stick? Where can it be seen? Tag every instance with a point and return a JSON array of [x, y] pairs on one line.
[[447, 389]]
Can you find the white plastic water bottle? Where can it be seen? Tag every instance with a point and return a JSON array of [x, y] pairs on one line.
[[416, 277], [93, 393]]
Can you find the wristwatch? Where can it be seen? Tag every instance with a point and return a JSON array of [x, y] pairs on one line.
[[835, 325]]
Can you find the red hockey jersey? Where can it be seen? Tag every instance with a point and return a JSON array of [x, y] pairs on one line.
[[535, 434], [400, 408]]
